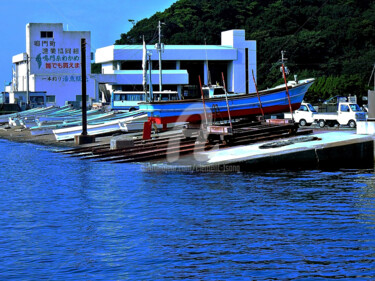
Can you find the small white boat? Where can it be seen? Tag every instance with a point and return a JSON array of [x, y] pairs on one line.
[[27, 117], [104, 127], [46, 128]]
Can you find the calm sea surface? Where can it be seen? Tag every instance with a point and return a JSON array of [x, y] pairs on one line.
[[63, 218]]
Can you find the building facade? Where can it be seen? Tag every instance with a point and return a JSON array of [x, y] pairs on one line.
[[181, 65], [51, 66]]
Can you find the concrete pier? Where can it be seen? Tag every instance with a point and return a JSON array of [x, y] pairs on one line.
[[329, 150]]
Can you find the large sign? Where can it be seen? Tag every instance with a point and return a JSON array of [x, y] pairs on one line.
[[50, 57]]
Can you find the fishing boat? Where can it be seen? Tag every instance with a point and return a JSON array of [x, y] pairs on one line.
[[46, 128], [100, 127], [270, 101], [5, 118]]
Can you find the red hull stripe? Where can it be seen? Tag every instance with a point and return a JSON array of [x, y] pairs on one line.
[[224, 114]]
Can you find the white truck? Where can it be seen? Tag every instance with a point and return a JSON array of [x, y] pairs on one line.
[[347, 114], [304, 115]]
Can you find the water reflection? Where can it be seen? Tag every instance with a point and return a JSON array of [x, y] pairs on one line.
[[63, 218]]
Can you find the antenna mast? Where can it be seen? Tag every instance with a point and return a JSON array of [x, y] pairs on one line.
[[283, 60], [160, 48]]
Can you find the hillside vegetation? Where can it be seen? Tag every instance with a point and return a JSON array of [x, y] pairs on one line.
[[333, 41]]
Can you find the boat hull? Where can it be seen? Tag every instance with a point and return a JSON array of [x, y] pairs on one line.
[[105, 127], [273, 101]]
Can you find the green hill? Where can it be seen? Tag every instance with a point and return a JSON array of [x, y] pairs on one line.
[[333, 41]]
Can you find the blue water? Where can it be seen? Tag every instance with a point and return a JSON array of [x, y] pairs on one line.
[[63, 218]]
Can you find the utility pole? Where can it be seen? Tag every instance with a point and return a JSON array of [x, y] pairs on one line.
[[83, 72], [83, 138], [27, 81], [160, 48]]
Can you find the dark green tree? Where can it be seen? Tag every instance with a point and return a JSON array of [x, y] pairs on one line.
[[331, 40]]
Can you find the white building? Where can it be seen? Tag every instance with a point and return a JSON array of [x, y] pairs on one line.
[[51, 66], [181, 65]]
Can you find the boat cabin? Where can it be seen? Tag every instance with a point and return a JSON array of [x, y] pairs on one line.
[[129, 100], [215, 91]]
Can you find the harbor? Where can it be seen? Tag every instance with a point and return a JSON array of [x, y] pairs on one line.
[[127, 221], [263, 147], [224, 124], [214, 140]]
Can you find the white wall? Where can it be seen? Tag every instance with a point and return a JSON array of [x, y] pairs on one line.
[[60, 54], [55, 63], [236, 70], [232, 50], [64, 88]]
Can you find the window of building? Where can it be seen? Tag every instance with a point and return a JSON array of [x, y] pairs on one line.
[[37, 100], [51, 99], [79, 97], [46, 34]]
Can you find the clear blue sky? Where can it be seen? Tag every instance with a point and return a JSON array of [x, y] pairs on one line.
[[106, 19]]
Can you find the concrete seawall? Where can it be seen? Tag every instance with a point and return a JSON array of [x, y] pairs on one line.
[[331, 150], [326, 150]]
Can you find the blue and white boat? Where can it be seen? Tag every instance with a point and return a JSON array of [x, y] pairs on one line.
[[274, 100]]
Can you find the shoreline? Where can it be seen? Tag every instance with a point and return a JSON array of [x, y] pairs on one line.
[[22, 135]]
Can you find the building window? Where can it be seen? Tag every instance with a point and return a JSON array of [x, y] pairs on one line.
[[79, 98], [46, 34], [51, 99]]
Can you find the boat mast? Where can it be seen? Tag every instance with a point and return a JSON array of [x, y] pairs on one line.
[[226, 99], [150, 81], [283, 60], [160, 48], [372, 73], [204, 104], [256, 88], [144, 68], [285, 72]]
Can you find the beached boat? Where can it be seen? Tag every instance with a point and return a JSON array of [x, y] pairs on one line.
[[28, 116], [46, 128], [5, 118], [101, 127], [274, 100]]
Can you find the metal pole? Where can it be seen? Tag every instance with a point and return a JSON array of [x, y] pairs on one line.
[[150, 82], [226, 98], [372, 73], [204, 105], [256, 88], [83, 74], [287, 91], [159, 50], [27, 81]]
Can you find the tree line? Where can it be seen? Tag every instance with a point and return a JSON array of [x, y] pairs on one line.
[[330, 40]]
